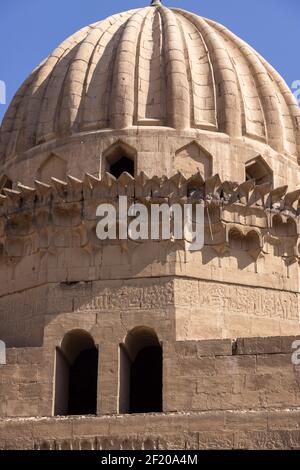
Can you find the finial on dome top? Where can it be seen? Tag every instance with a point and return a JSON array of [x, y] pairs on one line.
[[155, 3]]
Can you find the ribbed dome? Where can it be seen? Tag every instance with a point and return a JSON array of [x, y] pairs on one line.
[[153, 67]]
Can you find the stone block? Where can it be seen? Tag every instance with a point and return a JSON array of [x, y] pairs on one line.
[[235, 365], [253, 346]]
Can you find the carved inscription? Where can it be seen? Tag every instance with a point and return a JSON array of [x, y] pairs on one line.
[[128, 298], [250, 301], [22, 315]]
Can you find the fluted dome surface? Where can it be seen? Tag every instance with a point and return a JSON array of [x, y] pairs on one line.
[[153, 67]]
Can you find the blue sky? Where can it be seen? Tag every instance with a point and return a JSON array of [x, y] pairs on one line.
[[31, 29]]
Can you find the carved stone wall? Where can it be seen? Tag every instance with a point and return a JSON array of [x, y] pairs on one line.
[[198, 309], [217, 310], [24, 316]]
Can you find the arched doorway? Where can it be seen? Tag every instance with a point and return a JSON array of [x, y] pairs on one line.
[[76, 375], [141, 373]]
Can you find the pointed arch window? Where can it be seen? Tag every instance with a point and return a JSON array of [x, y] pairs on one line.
[[119, 158]]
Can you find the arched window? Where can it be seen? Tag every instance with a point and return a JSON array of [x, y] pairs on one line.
[[141, 373], [122, 165], [76, 375], [259, 171], [119, 158]]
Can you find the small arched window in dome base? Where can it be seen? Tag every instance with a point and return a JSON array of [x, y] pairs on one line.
[[259, 171], [119, 158], [122, 165]]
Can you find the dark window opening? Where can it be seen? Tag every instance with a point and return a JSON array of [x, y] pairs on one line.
[[76, 375], [258, 170], [146, 381], [83, 384], [122, 165], [141, 373]]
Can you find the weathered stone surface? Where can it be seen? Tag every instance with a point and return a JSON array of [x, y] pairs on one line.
[[210, 430], [75, 93], [161, 106]]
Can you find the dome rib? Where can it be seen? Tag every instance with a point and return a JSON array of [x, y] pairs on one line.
[[47, 117], [201, 77], [39, 89], [283, 99], [8, 124], [267, 95], [228, 108], [188, 67], [48, 126], [253, 119], [40, 85], [124, 72], [74, 93], [15, 139], [150, 99], [178, 92], [73, 89], [94, 112], [291, 102]]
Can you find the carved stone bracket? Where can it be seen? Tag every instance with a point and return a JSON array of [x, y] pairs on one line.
[[245, 215]]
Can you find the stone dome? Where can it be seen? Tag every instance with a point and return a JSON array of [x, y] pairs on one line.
[[153, 68]]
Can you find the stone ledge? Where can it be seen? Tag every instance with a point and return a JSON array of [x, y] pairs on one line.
[[205, 348], [255, 429], [270, 345]]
